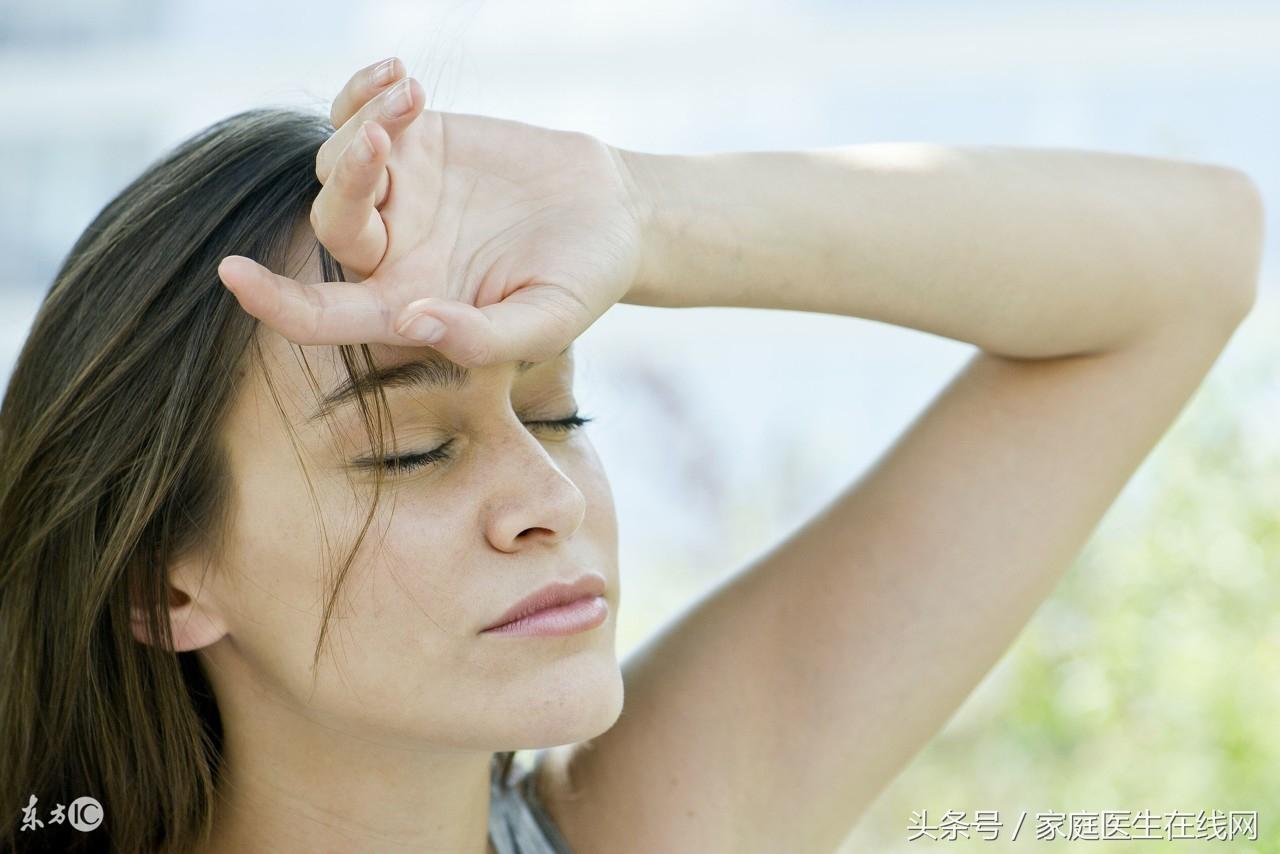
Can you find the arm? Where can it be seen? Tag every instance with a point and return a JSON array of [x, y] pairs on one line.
[[1023, 252], [1100, 290]]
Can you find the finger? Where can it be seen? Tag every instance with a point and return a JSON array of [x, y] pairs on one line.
[[523, 326], [362, 87], [394, 109], [344, 215], [323, 313]]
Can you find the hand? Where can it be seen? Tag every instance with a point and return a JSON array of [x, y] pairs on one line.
[[509, 239]]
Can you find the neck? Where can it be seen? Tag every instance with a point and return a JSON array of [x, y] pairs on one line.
[[291, 785]]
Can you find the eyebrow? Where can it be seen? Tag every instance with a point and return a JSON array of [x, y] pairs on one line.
[[430, 372]]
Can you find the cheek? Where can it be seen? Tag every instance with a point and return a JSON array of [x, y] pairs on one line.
[[417, 574], [398, 655], [600, 522], [274, 549], [273, 573]]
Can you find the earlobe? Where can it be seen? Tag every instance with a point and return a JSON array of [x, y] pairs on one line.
[[193, 626]]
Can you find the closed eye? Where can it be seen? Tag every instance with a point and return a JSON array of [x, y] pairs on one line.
[[404, 463]]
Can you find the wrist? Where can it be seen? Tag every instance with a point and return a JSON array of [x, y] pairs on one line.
[[694, 211], [647, 197]]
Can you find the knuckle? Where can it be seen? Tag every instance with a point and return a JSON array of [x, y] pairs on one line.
[[309, 326], [350, 181], [322, 227], [473, 353], [344, 190]]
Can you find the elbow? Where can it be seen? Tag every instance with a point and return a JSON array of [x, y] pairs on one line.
[[1227, 280]]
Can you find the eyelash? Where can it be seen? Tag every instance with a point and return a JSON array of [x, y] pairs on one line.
[[410, 462]]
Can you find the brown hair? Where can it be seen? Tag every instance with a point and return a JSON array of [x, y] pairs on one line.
[[110, 467]]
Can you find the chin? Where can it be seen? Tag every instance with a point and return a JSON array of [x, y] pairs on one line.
[[580, 705]]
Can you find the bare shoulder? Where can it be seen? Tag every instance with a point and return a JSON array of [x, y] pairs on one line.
[[614, 814], [565, 802]]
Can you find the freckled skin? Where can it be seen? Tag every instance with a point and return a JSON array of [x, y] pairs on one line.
[[408, 702]]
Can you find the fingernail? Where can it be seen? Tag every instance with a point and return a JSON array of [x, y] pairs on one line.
[[384, 71], [399, 99], [364, 145], [423, 327]]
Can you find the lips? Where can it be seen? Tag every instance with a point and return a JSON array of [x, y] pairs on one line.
[[550, 596]]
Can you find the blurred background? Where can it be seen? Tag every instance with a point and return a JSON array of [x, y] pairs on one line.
[[1150, 679]]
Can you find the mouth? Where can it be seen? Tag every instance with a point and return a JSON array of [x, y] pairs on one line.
[[568, 619], [557, 608]]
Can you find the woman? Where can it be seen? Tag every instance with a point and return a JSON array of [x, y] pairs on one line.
[[249, 568]]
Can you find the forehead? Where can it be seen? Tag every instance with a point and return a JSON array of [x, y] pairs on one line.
[[292, 367]]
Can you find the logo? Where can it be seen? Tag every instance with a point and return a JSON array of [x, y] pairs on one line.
[[85, 813]]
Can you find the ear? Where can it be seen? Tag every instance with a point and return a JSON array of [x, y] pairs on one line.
[[195, 619]]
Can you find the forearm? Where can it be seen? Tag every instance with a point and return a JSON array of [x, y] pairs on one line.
[[1023, 252]]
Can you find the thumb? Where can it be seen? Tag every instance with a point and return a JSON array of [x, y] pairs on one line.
[[524, 326]]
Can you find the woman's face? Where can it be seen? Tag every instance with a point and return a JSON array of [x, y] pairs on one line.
[[452, 546]]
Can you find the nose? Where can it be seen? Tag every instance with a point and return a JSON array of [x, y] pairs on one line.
[[535, 502]]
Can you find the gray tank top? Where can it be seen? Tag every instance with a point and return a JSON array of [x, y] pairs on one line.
[[518, 823]]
